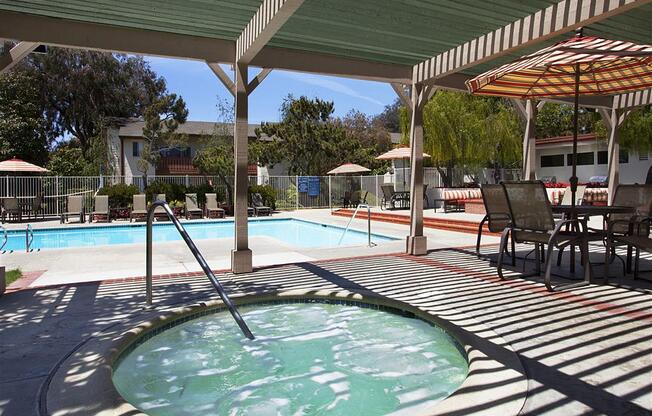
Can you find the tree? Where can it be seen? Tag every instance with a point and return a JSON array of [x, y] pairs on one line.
[[636, 131], [461, 130], [373, 137], [67, 160], [390, 117], [162, 119], [557, 120], [81, 89], [23, 130]]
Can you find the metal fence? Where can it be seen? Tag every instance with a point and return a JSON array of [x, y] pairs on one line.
[[292, 192]]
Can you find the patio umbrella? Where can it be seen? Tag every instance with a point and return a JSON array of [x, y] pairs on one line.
[[582, 65], [348, 168], [16, 165], [399, 153]]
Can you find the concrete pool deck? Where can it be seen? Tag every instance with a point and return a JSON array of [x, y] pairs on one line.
[[585, 351], [84, 264]]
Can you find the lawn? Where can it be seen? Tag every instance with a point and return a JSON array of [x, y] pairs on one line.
[[12, 275]]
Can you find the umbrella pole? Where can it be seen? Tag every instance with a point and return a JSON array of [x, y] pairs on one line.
[[573, 179]]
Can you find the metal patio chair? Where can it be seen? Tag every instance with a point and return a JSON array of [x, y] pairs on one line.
[[139, 207], [390, 197], [638, 238], [259, 207], [11, 209], [74, 208], [497, 214], [192, 207], [532, 223], [37, 207], [101, 209], [213, 210]]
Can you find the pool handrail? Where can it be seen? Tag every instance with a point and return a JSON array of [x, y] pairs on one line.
[[198, 256], [368, 224], [29, 238], [5, 239]]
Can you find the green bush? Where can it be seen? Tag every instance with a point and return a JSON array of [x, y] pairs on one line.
[[120, 195], [201, 191], [267, 192]]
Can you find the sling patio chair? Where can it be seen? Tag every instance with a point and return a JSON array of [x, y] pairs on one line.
[[497, 214], [391, 197], [139, 207], [212, 208], [358, 198], [37, 207], [638, 238], [101, 211], [532, 223], [192, 207], [74, 208], [259, 207], [11, 210], [159, 212]]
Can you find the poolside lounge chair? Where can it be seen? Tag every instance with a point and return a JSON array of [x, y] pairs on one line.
[[259, 207], [212, 208], [532, 222], [192, 208], [101, 211], [497, 217], [139, 208], [159, 212], [74, 208], [11, 209]]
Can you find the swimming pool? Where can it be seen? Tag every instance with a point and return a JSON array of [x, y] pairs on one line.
[[308, 358], [290, 231]]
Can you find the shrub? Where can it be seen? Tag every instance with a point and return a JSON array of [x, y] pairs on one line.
[[267, 192], [172, 192], [120, 195], [201, 191]]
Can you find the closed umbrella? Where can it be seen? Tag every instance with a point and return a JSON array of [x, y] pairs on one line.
[[582, 65]]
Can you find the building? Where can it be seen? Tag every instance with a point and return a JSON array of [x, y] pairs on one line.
[[553, 156], [125, 144]]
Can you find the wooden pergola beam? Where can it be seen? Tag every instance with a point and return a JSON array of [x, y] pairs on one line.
[[13, 56], [269, 18], [400, 90], [633, 99], [222, 76], [555, 20], [257, 80]]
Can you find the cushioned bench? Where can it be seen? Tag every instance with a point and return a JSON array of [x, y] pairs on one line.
[[454, 198]]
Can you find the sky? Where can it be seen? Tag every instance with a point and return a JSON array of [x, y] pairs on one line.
[[200, 89]]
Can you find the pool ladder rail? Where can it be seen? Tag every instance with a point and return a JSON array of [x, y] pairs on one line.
[[198, 256], [29, 239], [5, 239], [348, 225]]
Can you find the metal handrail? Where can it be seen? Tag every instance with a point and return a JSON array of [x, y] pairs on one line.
[[200, 259], [29, 238], [368, 224], [5, 239]]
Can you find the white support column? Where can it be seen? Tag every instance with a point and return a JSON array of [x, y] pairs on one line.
[[12, 57], [416, 242], [614, 119], [529, 142], [241, 255]]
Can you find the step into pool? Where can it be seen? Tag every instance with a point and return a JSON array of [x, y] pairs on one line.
[[290, 231]]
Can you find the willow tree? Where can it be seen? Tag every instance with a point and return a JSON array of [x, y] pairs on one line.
[[471, 133], [636, 131]]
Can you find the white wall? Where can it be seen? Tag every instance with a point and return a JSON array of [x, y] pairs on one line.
[[635, 171], [131, 162]]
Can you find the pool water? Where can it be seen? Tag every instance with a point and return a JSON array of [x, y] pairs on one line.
[[307, 359], [293, 232]]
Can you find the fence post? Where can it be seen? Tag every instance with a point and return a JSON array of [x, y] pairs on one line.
[[330, 194], [296, 181], [101, 181], [56, 184], [187, 181], [377, 192]]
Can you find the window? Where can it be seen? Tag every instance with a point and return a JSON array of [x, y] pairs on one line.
[[603, 157], [136, 149], [176, 152], [584, 158], [623, 156], [549, 161]]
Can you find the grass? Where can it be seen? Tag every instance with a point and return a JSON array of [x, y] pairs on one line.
[[13, 275]]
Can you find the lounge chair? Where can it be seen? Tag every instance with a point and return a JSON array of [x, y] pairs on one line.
[[192, 208], [74, 208], [159, 212], [212, 208], [259, 207], [497, 213], [532, 222], [101, 211], [139, 208], [11, 209]]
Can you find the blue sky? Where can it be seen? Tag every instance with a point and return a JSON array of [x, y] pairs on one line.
[[199, 87]]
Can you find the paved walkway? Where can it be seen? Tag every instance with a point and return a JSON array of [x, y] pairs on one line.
[[585, 351]]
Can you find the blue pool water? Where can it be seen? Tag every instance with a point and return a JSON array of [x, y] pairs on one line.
[[292, 232]]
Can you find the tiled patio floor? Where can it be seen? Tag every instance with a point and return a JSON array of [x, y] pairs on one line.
[[585, 351]]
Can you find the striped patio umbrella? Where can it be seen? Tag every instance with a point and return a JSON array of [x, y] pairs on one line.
[[582, 65], [16, 165]]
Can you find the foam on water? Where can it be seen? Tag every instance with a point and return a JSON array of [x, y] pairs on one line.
[[311, 358]]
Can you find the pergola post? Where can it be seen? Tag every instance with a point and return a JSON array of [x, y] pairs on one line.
[[416, 242], [13, 56], [241, 255], [529, 142], [613, 155]]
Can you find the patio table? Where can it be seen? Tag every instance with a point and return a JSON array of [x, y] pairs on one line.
[[588, 211]]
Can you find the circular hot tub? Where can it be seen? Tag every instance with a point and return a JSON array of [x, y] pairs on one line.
[[309, 357]]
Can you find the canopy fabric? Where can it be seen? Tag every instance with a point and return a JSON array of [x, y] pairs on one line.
[[17, 166], [348, 168], [607, 67], [398, 153]]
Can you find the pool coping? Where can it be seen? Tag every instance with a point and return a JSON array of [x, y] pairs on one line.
[[81, 382]]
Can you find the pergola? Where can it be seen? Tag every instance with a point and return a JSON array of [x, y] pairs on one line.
[[417, 46]]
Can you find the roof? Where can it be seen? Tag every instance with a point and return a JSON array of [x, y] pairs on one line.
[[565, 139], [191, 128], [16, 165]]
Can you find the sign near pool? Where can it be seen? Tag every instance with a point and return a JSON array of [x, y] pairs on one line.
[[313, 186], [302, 184]]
